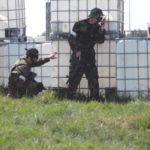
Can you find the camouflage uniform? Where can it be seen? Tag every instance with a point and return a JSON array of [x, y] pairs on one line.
[[86, 36], [21, 79]]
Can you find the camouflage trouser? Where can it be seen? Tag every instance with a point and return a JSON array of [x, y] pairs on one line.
[[18, 88], [88, 68]]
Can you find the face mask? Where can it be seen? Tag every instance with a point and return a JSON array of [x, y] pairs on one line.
[[34, 60], [99, 19]]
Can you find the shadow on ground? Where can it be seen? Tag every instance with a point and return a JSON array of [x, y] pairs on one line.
[[62, 93]]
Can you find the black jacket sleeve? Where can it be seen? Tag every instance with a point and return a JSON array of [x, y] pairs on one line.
[[99, 35], [74, 43]]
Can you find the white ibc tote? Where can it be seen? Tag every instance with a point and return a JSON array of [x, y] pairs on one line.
[[133, 68], [65, 12], [12, 18], [9, 53]]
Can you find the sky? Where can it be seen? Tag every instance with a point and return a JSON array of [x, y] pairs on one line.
[[36, 15], [139, 14]]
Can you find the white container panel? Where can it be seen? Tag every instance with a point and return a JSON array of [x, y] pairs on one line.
[[38, 71], [113, 59], [64, 71], [131, 46], [74, 16], [103, 71], [53, 62], [121, 85], [46, 47], [63, 16], [83, 83], [21, 15], [83, 5], [105, 47], [131, 60], [104, 83], [131, 73], [60, 27], [73, 5], [13, 49], [148, 57], [82, 15], [112, 26], [132, 85], [120, 47], [63, 5], [113, 72], [113, 83], [142, 46], [46, 71], [114, 4], [142, 60], [102, 4], [44, 81], [143, 85], [53, 72], [54, 6], [103, 59], [12, 24], [127, 46], [65, 27], [121, 74], [12, 15], [63, 60], [113, 16], [12, 5], [143, 73], [113, 46], [53, 82], [60, 46], [12, 59], [91, 4], [57, 26], [3, 4], [121, 61]]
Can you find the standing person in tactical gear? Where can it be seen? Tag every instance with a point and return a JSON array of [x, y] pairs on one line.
[[88, 32], [21, 79]]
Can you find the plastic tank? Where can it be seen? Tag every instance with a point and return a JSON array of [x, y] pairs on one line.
[[12, 19], [105, 61], [9, 53], [64, 13], [54, 73], [133, 73]]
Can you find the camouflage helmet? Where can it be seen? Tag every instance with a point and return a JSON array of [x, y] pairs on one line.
[[32, 52], [96, 13]]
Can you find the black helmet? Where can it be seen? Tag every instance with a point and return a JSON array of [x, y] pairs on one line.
[[96, 13], [32, 52]]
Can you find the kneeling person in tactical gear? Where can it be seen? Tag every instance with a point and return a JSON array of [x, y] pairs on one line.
[[21, 79]]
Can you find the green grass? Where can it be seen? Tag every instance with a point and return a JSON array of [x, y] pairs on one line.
[[48, 123]]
